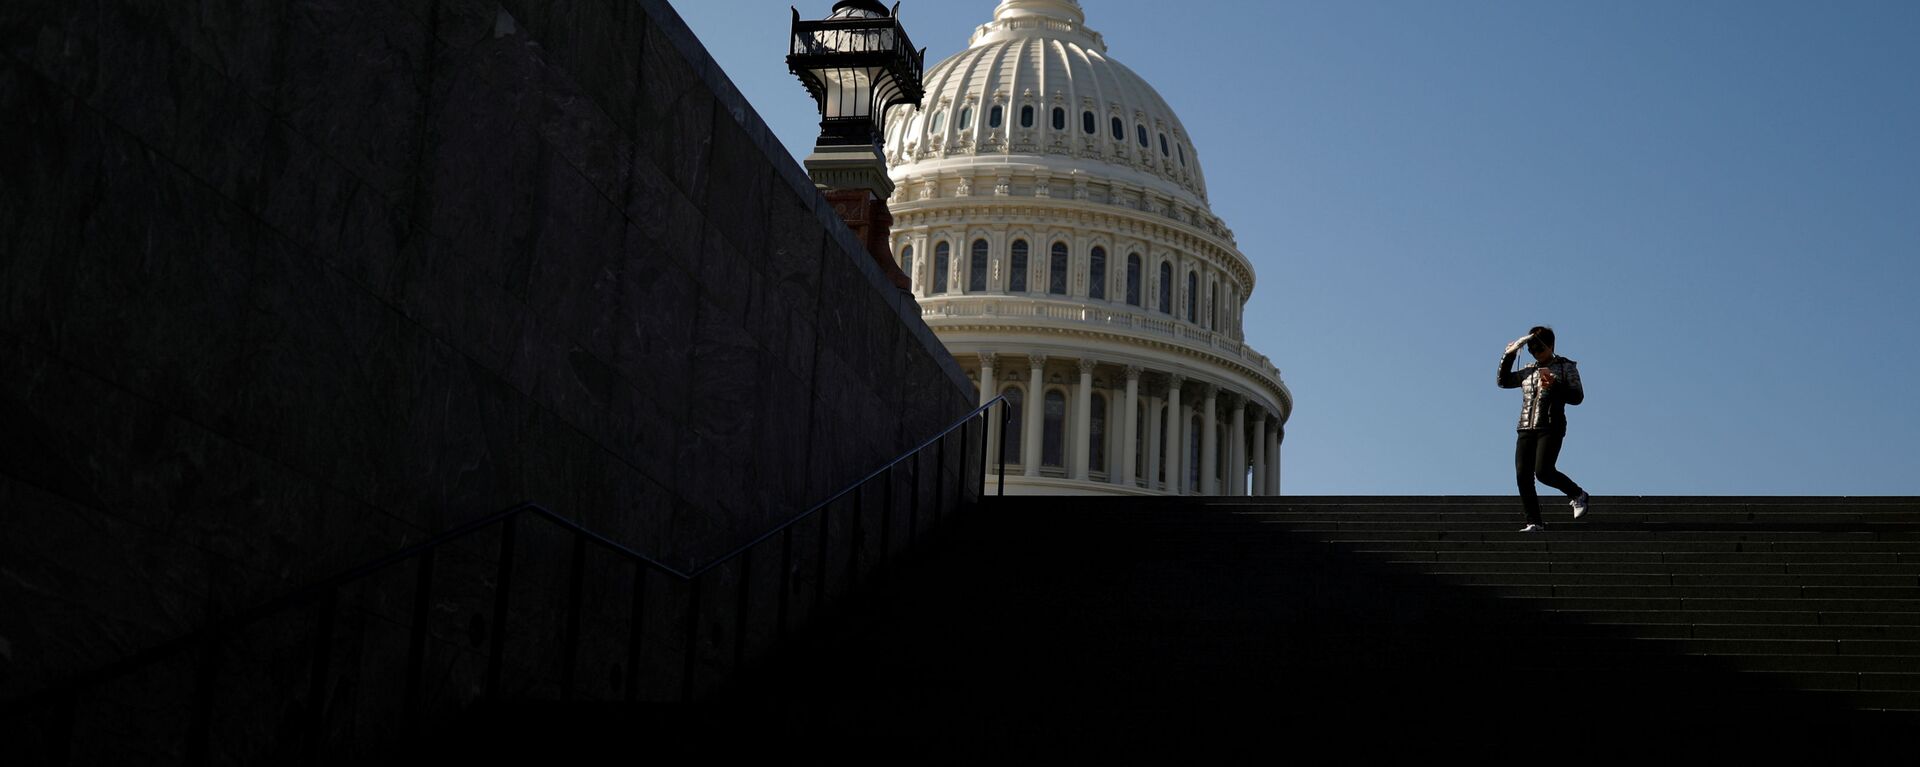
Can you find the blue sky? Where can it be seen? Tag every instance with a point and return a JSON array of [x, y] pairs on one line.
[[1716, 204]]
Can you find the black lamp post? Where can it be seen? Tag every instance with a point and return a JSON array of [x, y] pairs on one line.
[[857, 63]]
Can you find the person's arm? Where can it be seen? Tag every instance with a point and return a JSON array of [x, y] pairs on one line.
[[1567, 385], [1509, 379]]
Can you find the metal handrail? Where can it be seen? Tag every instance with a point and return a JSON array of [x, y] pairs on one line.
[[63, 696]]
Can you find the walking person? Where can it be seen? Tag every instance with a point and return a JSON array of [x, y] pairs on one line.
[[1547, 387]]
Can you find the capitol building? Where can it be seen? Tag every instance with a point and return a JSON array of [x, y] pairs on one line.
[[1051, 213]]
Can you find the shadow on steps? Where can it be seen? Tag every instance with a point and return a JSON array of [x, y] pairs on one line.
[[1069, 630]]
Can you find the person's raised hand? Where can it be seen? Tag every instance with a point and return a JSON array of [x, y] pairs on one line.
[[1515, 346]]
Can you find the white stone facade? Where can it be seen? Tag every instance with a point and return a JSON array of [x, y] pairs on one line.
[[1052, 214]]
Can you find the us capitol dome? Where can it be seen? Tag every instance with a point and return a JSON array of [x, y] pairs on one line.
[[1051, 212]]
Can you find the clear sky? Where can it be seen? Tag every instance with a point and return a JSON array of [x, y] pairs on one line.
[[1715, 203]]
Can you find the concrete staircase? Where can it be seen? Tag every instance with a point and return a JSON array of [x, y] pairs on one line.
[[1069, 629]]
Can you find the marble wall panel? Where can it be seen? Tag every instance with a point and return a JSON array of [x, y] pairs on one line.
[[594, 43], [353, 78], [738, 186], [654, 325], [674, 121], [316, 203], [795, 241], [578, 262]]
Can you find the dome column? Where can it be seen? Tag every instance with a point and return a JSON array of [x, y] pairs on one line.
[[1130, 419], [989, 388], [1176, 447], [1259, 452], [1083, 422], [1036, 406], [1210, 441], [1152, 448], [1237, 448], [1273, 459]]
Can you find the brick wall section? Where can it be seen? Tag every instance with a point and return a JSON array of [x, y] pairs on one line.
[[288, 285]]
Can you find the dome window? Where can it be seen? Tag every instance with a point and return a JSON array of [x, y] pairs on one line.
[[1097, 274], [1141, 131], [1059, 118], [966, 118], [1017, 273], [977, 268], [1183, 155], [998, 116], [1164, 151], [939, 121], [1057, 270], [1166, 287], [1119, 130], [1086, 122], [942, 258], [1026, 117], [1193, 296], [1133, 280]]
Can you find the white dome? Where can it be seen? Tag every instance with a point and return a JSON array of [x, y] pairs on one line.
[[1024, 95]]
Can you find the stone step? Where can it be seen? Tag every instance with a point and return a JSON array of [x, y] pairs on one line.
[[1595, 515], [1874, 561], [1905, 551], [1867, 541], [1491, 575], [1867, 575]]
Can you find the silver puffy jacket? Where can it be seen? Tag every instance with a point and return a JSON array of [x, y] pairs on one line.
[[1543, 407]]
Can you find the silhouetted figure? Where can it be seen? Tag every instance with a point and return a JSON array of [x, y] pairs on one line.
[[1547, 387]]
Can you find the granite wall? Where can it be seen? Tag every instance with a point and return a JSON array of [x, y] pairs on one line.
[[286, 285]]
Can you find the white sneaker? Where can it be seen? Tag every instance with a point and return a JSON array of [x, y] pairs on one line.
[[1534, 529], [1579, 506]]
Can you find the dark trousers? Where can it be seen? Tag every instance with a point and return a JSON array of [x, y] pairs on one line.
[[1534, 457]]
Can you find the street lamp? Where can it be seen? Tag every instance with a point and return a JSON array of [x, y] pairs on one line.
[[857, 63]]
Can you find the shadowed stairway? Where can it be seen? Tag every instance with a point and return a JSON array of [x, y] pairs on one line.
[[1069, 628]]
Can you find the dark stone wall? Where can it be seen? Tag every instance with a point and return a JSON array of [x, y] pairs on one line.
[[285, 286]]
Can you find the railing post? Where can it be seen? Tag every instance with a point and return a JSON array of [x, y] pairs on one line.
[[820, 563], [966, 455], [940, 478], [913, 501], [786, 579], [740, 613], [636, 630], [200, 736], [693, 640], [417, 639], [576, 583], [60, 735], [502, 587], [320, 674], [886, 519], [984, 460], [1006, 420], [855, 538]]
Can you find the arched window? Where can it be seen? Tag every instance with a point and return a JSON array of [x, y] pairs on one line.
[[1086, 122], [1215, 325], [1017, 272], [966, 118], [1164, 152], [1026, 118], [1053, 431], [1097, 425], [942, 261], [1097, 274], [1133, 280], [1166, 287], [939, 121], [1141, 130], [998, 116], [1059, 118], [1183, 155], [1193, 436], [906, 264], [1193, 296], [1010, 435], [977, 268], [1057, 270], [1119, 130]]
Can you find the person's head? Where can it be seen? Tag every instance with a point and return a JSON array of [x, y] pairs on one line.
[[1541, 343]]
